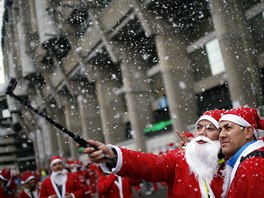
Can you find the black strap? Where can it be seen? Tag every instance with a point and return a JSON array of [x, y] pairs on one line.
[[32, 194], [255, 153], [59, 187], [112, 161]]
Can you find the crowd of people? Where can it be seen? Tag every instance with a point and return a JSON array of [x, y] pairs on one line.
[[70, 179], [224, 158], [66, 178]]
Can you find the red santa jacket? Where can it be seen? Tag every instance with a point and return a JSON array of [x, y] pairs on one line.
[[249, 178], [170, 168], [93, 172], [73, 185], [112, 186], [9, 190], [26, 194], [83, 176]]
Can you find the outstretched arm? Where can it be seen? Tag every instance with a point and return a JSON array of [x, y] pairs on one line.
[[131, 163]]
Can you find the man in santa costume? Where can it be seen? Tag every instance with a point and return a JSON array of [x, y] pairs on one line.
[[8, 187], [239, 142], [192, 173], [61, 183], [30, 188], [83, 176], [114, 186]]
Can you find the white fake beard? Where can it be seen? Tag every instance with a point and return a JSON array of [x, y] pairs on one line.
[[202, 158], [59, 177]]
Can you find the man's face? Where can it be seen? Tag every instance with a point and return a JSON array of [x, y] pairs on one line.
[[58, 166], [31, 184], [232, 137], [207, 129]]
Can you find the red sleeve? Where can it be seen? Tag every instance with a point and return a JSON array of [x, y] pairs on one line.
[[93, 175], [78, 190], [105, 182], [44, 188], [134, 182], [148, 166]]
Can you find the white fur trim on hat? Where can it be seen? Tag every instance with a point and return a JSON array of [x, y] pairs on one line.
[[209, 118], [238, 120], [3, 178], [27, 180], [55, 161]]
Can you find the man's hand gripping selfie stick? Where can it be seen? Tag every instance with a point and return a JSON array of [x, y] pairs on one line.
[[83, 143]]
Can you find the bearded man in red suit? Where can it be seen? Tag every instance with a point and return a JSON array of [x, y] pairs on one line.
[[61, 183], [30, 189], [192, 173], [8, 187]]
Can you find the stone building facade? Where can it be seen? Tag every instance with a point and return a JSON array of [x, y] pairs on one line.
[[104, 68]]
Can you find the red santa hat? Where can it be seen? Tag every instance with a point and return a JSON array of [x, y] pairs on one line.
[[26, 177], [5, 174], [212, 116], [78, 163], [245, 117], [55, 159], [70, 164]]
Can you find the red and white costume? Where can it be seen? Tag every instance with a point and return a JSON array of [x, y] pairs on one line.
[[175, 168], [26, 193], [93, 172], [113, 186], [69, 183], [83, 176], [7, 190], [72, 185], [170, 168]]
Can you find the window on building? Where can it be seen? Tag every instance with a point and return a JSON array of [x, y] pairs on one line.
[[207, 60], [215, 57]]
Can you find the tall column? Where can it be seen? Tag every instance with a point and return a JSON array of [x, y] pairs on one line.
[[15, 68], [61, 137], [90, 117], [46, 25], [112, 105], [177, 77], [46, 138], [10, 50], [25, 38], [54, 143], [233, 32], [40, 146], [56, 112], [137, 93], [72, 119]]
